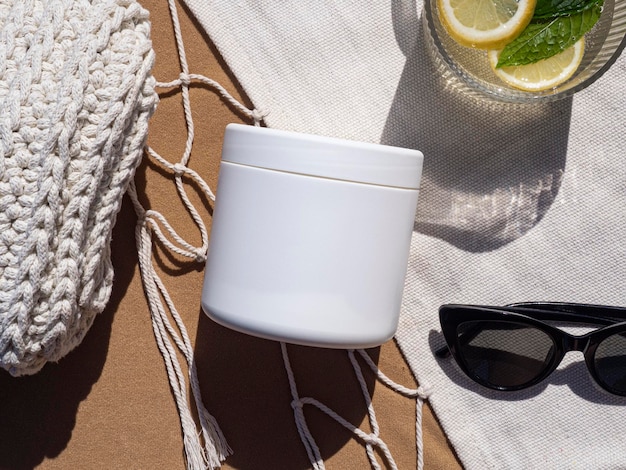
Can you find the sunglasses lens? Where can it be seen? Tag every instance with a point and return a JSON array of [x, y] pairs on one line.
[[610, 362], [504, 354]]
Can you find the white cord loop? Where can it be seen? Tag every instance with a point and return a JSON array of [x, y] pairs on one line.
[[371, 439], [207, 448]]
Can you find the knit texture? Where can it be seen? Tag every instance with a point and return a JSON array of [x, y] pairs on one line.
[[76, 93]]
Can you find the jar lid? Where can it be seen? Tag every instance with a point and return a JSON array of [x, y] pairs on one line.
[[320, 156]]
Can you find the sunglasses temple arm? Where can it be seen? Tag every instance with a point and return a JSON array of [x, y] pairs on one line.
[[576, 308], [582, 310]]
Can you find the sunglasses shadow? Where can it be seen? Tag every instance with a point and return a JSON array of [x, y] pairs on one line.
[[575, 376]]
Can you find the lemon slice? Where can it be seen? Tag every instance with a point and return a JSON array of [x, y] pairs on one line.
[[485, 24], [544, 74]]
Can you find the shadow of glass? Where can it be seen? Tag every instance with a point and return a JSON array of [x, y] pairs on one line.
[[38, 412], [491, 170], [246, 388]]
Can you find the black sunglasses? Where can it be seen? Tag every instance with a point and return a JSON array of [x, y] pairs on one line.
[[511, 347]]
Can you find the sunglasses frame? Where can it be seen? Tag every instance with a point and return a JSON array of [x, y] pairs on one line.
[[535, 314]]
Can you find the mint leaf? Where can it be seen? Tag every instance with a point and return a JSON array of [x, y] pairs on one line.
[[551, 8], [545, 38]]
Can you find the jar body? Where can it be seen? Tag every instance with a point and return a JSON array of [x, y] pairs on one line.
[[307, 259]]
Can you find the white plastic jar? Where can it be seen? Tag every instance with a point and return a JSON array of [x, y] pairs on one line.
[[310, 237]]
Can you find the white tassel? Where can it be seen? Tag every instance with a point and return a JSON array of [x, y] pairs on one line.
[[207, 448], [214, 450]]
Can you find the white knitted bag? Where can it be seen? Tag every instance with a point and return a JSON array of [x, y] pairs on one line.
[[76, 93]]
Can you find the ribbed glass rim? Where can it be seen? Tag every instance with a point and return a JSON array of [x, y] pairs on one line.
[[590, 70]]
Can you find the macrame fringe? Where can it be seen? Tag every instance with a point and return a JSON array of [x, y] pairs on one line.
[[208, 448], [370, 440]]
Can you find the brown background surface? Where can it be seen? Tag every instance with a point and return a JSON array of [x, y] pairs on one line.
[[108, 403]]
